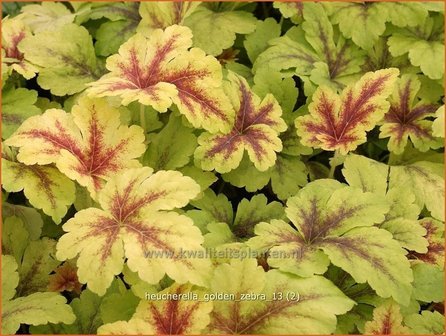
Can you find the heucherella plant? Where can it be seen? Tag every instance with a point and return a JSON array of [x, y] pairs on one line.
[[187, 168]]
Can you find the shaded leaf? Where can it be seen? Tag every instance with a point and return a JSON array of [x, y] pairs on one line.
[[172, 147], [206, 23], [65, 65], [37, 308], [17, 106]]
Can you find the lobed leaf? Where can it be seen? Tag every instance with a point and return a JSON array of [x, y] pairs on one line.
[[406, 118], [206, 23], [65, 66], [333, 223], [14, 31], [341, 122], [165, 317], [313, 313], [130, 225], [17, 106], [88, 145], [44, 186], [160, 70], [256, 129], [387, 320]]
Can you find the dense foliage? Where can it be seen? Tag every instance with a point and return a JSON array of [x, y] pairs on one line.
[[286, 156]]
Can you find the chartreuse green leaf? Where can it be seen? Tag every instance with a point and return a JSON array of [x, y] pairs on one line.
[[65, 65], [14, 30], [124, 18], [166, 316], [256, 42], [44, 186], [427, 323], [14, 238], [406, 118], [88, 145], [130, 225], [46, 16], [387, 320], [290, 9], [164, 14], [37, 264], [212, 208], [30, 217], [424, 44], [334, 223], [365, 22], [37, 308], [312, 52], [10, 278], [17, 106], [426, 181], [172, 147], [256, 130], [248, 214], [428, 283], [340, 122], [312, 309], [208, 20], [402, 218], [92, 311], [438, 124], [162, 69]]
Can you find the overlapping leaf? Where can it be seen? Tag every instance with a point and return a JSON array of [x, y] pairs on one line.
[[341, 122], [256, 130], [132, 226], [212, 19], [17, 106], [312, 52], [65, 66], [402, 217], [387, 320], [334, 223], [37, 308], [166, 317], [424, 45], [164, 14], [46, 16], [406, 118], [435, 237], [13, 32], [172, 147], [44, 186], [365, 22], [160, 70], [425, 323], [312, 311], [89, 145]]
